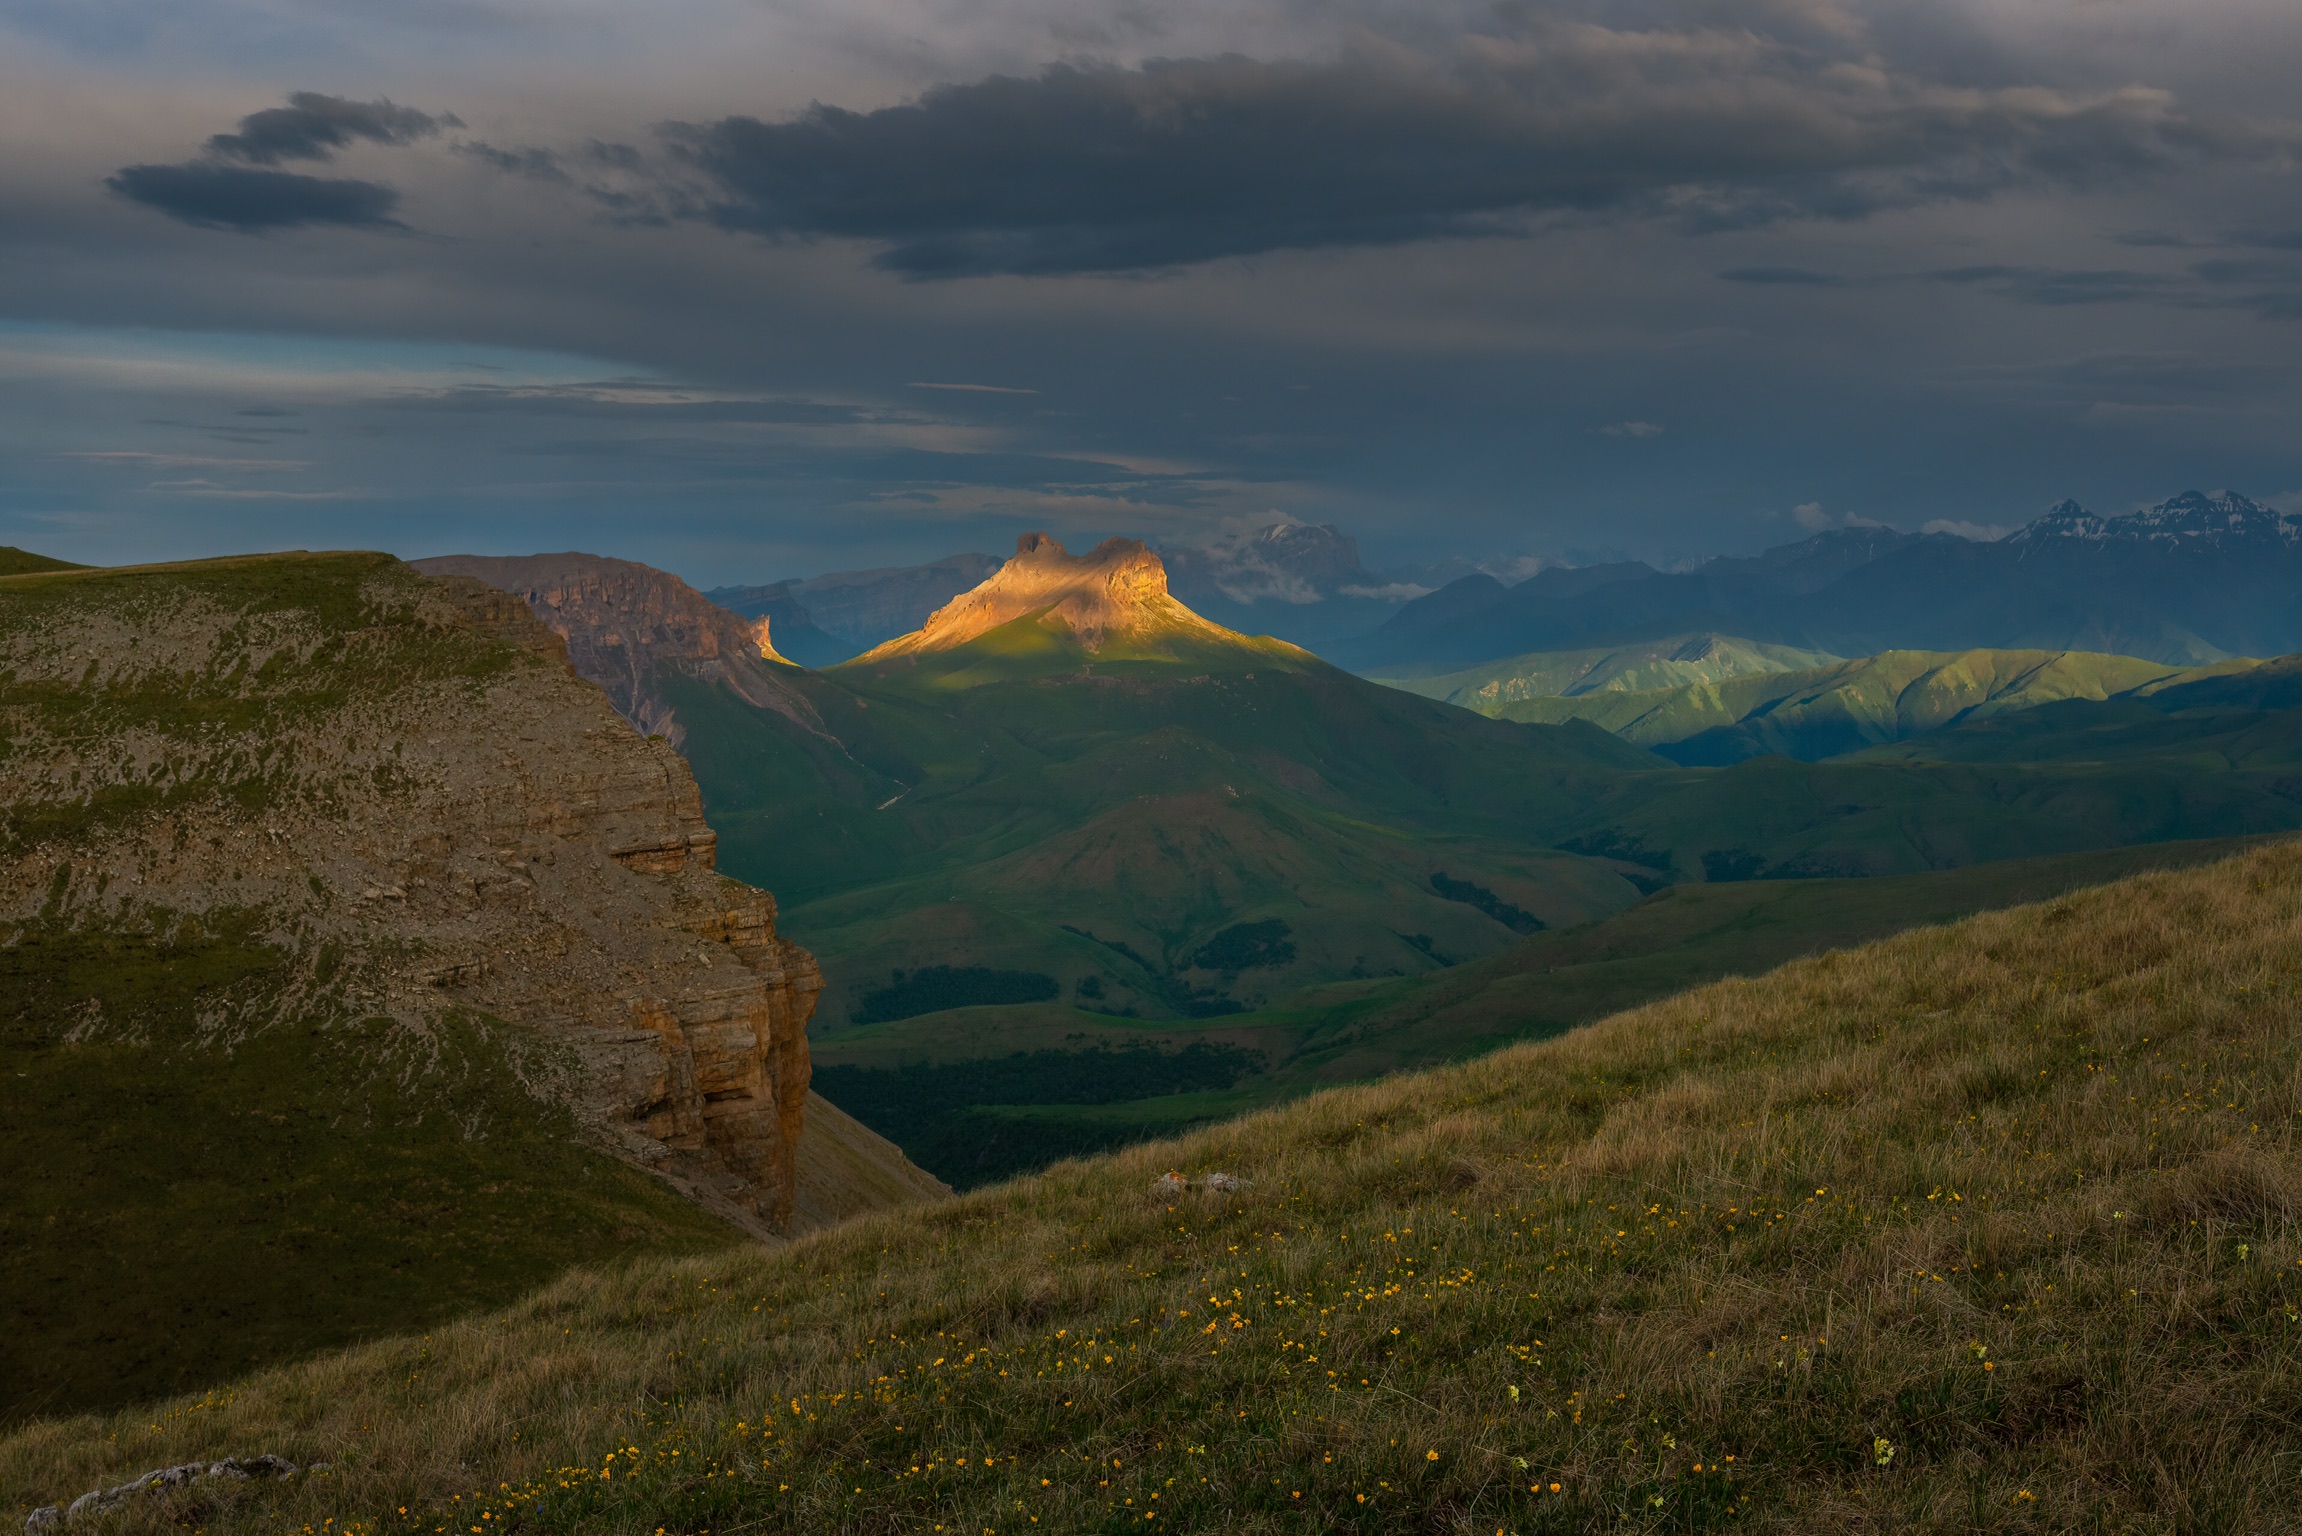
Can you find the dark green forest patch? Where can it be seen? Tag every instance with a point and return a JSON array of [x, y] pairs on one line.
[[933, 988], [1517, 919]]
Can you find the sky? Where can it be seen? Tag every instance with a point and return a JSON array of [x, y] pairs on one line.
[[761, 288]]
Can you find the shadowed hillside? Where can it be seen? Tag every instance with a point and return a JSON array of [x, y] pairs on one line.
[[1988, 1227]]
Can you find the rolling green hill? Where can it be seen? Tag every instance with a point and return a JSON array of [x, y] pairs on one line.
[[19, 562], [983, 1093], [2217, 722], [1071, 784], [1105, 820], [1987, 1227], [1658, 666], [1808, 712]]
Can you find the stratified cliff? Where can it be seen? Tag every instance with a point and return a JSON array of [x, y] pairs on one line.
[[397, 785]]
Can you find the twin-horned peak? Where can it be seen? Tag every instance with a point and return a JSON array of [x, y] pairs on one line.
[[1115, 592]]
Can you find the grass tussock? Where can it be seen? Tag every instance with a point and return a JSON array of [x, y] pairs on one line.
[[1985, 1227]]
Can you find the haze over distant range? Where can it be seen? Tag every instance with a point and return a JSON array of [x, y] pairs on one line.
[[750, 292]]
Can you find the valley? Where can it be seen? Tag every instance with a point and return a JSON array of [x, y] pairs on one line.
[[1084, 867]]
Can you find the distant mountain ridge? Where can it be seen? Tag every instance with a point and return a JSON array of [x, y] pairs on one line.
[[2192, 580]]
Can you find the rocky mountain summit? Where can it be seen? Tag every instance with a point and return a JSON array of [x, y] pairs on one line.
[[1116, 593], [624, 624]]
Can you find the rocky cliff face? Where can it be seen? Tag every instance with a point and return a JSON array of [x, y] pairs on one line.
[[625, 623], [1116, 591], [431, 814]]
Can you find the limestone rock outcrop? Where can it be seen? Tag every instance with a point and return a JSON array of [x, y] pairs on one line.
[[429, 810]]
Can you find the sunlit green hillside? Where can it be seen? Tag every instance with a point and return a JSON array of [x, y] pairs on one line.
[[1987, 1227], [1679, 661], [1818, 711]]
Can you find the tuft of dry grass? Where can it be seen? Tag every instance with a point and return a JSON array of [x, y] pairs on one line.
[[1985, 1227]]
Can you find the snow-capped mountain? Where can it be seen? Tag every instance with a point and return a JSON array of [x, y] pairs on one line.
[[2228, 520]]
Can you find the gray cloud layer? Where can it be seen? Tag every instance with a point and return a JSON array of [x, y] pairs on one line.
[[1083, 169], [1908, 259]]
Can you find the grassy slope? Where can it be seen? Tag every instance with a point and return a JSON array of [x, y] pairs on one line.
[[1658, 667], [1986, 1227], [996, 796], [17, 562], [984, 1125], [172, 1211], [1822, 711]]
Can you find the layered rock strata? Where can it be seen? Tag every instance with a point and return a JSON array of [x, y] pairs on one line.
[[432, 813]]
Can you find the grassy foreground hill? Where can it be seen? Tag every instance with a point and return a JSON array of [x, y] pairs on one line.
[[1986, 1227], [983, 1093]]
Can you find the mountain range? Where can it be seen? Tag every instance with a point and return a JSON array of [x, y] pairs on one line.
[[2195, 579], [416, 961]]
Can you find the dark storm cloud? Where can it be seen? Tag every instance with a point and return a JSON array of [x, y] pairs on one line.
[[313, 127], [1103, 169], [241, 198], [230, 185]]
